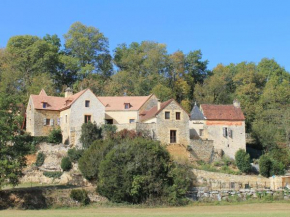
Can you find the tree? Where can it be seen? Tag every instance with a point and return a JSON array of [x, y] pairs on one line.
[[137, 170], [243, 161], [13, 147], [66, 164], [90, 133], [89, 48]]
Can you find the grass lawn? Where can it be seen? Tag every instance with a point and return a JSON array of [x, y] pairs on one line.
[[255, 210]]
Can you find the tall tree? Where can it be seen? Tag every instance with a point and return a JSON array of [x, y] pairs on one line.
[[89, 48]]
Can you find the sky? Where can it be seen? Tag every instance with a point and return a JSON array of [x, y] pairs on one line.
[[226, 31]]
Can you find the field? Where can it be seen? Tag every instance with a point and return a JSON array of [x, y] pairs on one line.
[[255, 210]]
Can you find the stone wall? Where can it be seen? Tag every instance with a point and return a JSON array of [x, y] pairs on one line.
[[217, 181], [202, 150], [40, 129], [204, 195], [230, 145], [165, 125]]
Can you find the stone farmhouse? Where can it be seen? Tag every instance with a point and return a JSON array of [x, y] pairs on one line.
[[222, 124], [167, 122]]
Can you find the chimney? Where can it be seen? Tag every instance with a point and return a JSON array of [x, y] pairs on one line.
[[68, 92], [236, 103], [158, 104]]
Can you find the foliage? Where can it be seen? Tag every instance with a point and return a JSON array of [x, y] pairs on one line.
[[90, 133], [265, 165], [108, 130], [269, 166], [75, 154], [243, 161], [80, 195], [40, 159], [54, 175], [127, 134], [91, 158], [66, 164], [55, 136], [137, 170]]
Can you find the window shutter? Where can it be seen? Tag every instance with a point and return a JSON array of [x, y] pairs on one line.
[[230, 133], [58, 121], [51, 122], [224, 131], [44, 121]]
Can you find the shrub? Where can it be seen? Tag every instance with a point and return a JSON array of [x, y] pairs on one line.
[[80, 195], [66, 164], [55, 136], [75, 154], [40, 159], [54, 175], [270, 167], [108, 130], [243, 161], [139, 169], [90, 133], [90, 160], [265, 165], [127, 134]]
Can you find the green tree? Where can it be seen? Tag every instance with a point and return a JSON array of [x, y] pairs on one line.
[[90, 133], [243, 161], [87, 46], [13, 147]]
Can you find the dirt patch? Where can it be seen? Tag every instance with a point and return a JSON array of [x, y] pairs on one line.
[[179, 153], [30, 159]]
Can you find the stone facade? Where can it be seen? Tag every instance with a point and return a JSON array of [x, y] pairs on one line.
[[202, 150], [164, 126], [229, 144]]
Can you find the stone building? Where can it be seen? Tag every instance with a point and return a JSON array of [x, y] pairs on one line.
[[44, 113], [223, 124], [171, 122]]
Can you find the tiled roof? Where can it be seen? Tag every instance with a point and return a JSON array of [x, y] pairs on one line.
[[54, 103], [153, 111], [222, 112], [196, 114], [117, 103]]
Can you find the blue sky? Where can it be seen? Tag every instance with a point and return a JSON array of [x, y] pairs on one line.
[[226, 32]]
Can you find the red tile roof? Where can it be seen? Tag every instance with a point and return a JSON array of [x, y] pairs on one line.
[[146, 115], [117, 103], [54, 103], [222, 112]]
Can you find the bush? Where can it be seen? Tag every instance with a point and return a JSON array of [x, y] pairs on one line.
[[138, 170], [75, 154], [243, 161], [108, 130], [40, 159], [127, 134], [270, 167], [54, 175], [90, 161], [55, 136], [66, 164], [265, 165], [90, 133], [80, 195]]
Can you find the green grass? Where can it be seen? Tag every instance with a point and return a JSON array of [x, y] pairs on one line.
[[245, 210]]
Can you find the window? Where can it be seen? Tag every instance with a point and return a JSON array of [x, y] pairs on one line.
[[127, 105], [132, 121], [46, 122], [177, 114], [87, 103], [87, 118], [225, 131], [44, 105], [109, 121], [172, 136], [200, 132], [167, 115], [230, 132]]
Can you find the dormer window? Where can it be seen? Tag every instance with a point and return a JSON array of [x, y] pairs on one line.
[[127, 105], [44, 104]]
